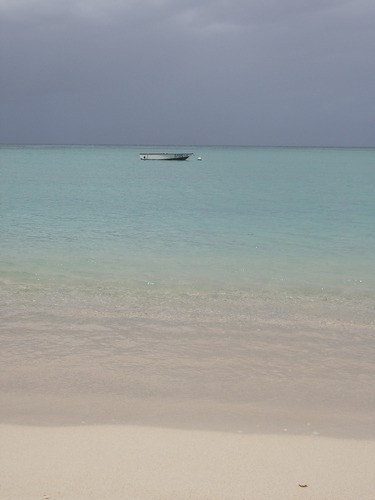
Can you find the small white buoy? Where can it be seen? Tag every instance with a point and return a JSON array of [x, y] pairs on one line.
[[199, 158]]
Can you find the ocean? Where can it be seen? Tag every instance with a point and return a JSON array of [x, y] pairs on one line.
[[232, 293]]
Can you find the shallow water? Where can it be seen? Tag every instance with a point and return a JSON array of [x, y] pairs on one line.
[[234, 293]]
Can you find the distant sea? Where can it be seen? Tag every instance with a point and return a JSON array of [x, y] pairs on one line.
[[236, 292]]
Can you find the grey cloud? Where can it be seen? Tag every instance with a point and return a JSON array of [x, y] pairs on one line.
[[187, 71]]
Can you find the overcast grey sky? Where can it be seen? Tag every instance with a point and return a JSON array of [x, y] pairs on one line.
[[246, 72]]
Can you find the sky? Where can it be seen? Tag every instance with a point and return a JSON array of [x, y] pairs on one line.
[[188, 72]]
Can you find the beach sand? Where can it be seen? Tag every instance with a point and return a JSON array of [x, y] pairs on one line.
[[133, 462]]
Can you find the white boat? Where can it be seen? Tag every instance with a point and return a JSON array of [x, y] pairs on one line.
[[164, 156]]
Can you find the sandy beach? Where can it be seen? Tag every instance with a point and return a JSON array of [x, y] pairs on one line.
[[125, 462], [204, 332]]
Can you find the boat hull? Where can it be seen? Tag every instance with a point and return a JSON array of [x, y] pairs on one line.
[[165, 156]]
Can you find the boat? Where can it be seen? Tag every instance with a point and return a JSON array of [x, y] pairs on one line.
[[164, 156]]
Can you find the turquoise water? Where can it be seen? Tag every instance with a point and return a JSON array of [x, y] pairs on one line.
[[246, 246], [243, 217]]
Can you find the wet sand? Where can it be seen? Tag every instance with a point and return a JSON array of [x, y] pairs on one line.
[[306, 377]]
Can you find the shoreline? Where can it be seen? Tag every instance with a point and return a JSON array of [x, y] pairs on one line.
[[254, 417], [150, 463]]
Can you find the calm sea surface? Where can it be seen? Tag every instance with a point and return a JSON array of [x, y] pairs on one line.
[[236, 292]]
